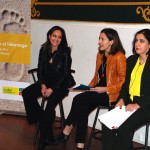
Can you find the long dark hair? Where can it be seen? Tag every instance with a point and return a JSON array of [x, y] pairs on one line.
[[146, 33], [63, 43], [113, 35]]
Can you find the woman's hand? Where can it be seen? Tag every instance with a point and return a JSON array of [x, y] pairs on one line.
[[48, 92], [132, 107], [43, 89], [99, 89], [120, 103]]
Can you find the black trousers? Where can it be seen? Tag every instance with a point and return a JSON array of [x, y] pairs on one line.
[[121, 138], [35, 113], [82, 106]]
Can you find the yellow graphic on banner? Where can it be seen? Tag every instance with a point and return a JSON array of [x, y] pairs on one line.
[[10, 90], [15, 48]]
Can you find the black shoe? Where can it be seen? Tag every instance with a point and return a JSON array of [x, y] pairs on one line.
[[61, 138], [51, 141], [41, 146], [80, 148]]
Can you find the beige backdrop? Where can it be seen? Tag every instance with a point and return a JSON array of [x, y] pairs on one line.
[[14, 18]]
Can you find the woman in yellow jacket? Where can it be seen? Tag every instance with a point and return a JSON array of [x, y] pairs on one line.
[[105, 85]]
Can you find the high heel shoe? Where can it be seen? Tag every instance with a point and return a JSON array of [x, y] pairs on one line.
[[51, 141], [62, 138], [79, 148], [66, 137]]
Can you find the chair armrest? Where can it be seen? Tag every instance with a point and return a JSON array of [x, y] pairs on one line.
[[72, 71], [32, 70]]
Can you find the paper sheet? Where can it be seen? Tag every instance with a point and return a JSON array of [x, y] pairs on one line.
[[114, 118]]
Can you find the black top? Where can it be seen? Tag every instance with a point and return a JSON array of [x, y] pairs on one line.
[[52, 75], [102, 72], [55, 74]]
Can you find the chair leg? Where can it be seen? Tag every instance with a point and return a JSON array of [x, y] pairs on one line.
[[62, 114], [36, 133], [146, 136], [93, 128], [145, 147]]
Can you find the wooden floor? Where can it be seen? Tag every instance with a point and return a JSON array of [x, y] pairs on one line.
[[16, 134]]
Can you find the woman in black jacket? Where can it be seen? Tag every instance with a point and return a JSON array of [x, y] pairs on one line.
[[54, 65], [135, 94]]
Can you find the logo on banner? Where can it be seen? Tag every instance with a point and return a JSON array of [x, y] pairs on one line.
[[12, 90]]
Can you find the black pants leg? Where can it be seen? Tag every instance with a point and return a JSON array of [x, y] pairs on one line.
[[48, 116], [82, 106], [32, 107], [34, 111], [109, 138], [123, 139]]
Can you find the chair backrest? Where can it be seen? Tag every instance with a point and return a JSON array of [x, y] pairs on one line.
[[33, 72]]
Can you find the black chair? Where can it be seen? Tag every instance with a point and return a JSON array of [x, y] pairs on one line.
[[94, 134], [33, 72], [145, 146]]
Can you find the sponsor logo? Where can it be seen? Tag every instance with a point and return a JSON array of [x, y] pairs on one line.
[[12, 90]]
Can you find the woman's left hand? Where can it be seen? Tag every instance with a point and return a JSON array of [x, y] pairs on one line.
[[48, 92], [132, 107], [99, 89]]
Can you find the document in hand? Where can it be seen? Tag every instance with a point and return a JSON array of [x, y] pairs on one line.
[[114, 118], [81, 87]]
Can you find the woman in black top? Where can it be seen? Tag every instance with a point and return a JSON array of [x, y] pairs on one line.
[[54, 66]]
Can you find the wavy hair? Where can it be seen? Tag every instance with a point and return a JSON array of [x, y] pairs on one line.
[[113, 35], [63, 43]]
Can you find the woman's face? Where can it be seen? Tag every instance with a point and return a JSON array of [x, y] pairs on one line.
[[141, 44], [104, 43], [55, 38]]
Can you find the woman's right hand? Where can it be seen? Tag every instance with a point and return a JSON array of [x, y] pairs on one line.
[[43, 89], [99, 89], [48, 92], [120, 103]]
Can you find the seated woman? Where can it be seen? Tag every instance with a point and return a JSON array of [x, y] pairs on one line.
[[106, 85], [135, 94], [54, 65]]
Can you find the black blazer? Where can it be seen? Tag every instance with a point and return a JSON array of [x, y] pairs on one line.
[[144, 100], [62, 61]]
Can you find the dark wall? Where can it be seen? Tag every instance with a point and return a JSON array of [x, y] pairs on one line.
[[100, 11]]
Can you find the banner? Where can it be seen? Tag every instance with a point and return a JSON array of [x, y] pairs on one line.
[[15, 48], [123, 11], [15, 40]]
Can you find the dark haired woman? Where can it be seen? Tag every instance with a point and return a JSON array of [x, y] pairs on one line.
[[135, 94], [106, 85], [54, 66]]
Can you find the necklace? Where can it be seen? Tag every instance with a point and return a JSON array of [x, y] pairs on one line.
[[103, 68]]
